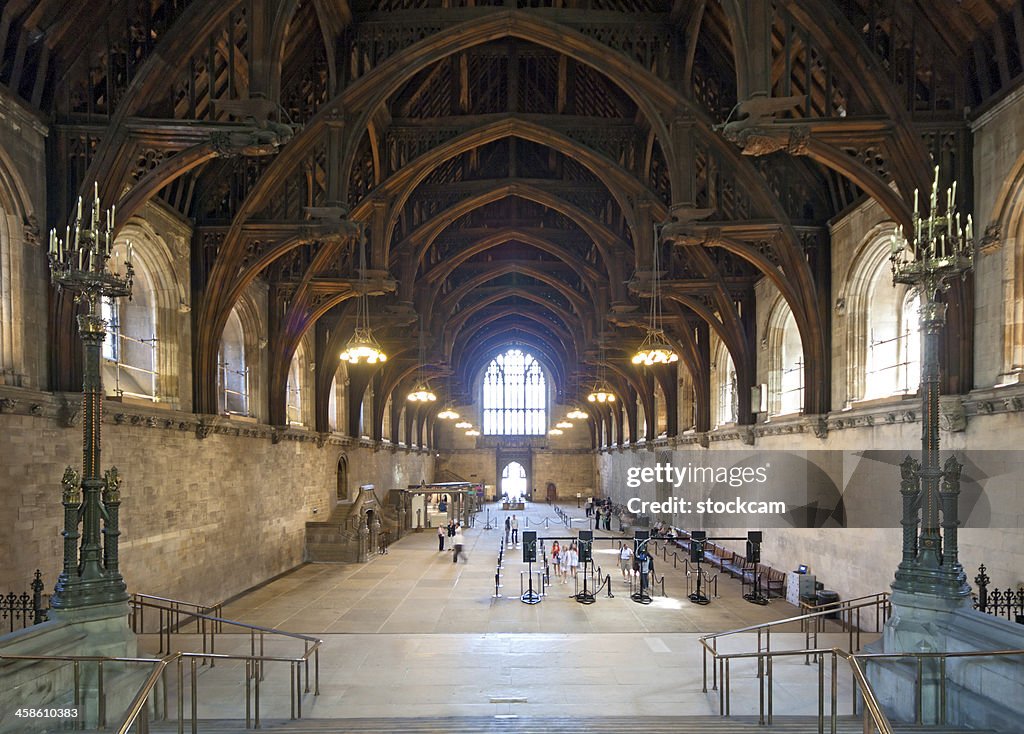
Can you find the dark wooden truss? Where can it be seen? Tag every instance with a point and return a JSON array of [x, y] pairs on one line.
[[508, 161]]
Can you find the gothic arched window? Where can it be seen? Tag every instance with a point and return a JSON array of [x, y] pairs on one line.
[[515, 396], [233, 369]]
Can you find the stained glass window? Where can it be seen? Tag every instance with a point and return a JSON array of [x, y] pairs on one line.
[[515, 396]]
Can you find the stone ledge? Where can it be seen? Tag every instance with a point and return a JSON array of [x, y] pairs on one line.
[[64, 409]]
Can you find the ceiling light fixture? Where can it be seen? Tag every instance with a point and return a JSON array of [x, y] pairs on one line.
[[563, 424], [472, 432], [577, 415], [447, 415], [463, 424], [655, 349], [555, 432], [602, 391], [422, 392], [363, 347]]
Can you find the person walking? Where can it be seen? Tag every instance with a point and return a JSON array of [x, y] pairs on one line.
[[556, 551], [458, 540], [440, 538], [508, 528], [625, 561], [515, 530]]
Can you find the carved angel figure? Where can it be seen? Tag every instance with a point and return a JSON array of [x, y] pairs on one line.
[[112, 490], [70, 483]]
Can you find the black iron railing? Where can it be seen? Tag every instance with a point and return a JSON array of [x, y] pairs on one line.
[[1008, 603], [20, 611]]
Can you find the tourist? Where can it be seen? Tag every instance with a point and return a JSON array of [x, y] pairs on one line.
[[563, 562], [458, 540], [508, 528], [556, 550], [625, 561], [574, 560], [440, 538], [515, 530]]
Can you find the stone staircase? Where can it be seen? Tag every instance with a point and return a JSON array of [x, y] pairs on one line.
[[554, 725]]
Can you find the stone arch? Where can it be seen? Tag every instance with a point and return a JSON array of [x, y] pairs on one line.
[[245, 343], [1009, 216], [341, 487], [868, 294], [155, 271], [300, 391], [785, 359], [724, 403], [15, 214]]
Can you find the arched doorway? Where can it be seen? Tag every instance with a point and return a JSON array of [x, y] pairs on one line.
[[342, 492], [513, 480]]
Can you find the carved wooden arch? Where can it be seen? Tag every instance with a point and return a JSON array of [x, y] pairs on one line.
[[501, 329], [392, 377], [727, 313], [638, 378], [454, 324], [635, 387], [636, 81], [475, 360], [860, 174], [423, 236], [620, 183], [293, 327], [587, 272], [456, 348], [579, 303], [735, 346]]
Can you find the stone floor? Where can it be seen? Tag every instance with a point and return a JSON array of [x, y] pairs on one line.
[[412, 634]]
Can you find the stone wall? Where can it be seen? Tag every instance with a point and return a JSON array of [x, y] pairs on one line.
[[202, 519], [855, 560]]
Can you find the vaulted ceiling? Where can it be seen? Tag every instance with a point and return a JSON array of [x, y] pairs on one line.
[[510, 164]]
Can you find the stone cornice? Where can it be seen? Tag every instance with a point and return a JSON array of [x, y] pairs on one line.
[[64, 409], [956, 412]]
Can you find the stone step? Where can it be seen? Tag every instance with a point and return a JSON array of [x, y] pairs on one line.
[[511, 724]]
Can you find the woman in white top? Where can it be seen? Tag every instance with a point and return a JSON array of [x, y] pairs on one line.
[[563, 559], [574, 559]]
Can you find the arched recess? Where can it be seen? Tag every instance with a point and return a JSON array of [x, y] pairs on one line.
[[15, 211], [301, 395], [724, 389], [1009, 217], [240, 362], [877, 331], [785, 360], [153, 258], [341, 491]]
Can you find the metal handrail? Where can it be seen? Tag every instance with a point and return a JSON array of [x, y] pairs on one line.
[[871, 705], [798, 618], [763, 630]]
